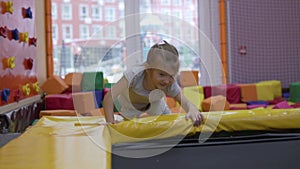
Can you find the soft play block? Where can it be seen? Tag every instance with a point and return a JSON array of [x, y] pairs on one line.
[[194, 94], [177, 109], [98, 95], [84, 102], [73, 80], [214, 90], [105, 90], [54, 85], [239, 106], [92, 81], [257, 102], [97, 112], [264, 91], [232, 92], [171, 102], [207, 90], [275, 85], [57, 113], [255, 106], [215, 103], [59, 101], [294, 92], [282, 105], [296, 105], [248, 92], [188, 78]]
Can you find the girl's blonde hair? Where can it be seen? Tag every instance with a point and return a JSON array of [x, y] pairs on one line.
[[164, 52]]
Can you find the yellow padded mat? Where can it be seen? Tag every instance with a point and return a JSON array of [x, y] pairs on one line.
[[56, 142], [175, 124]]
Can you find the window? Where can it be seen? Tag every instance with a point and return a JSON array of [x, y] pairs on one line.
[[177, 13], [83, 12], [189, 16], [84, 32], [188, 2], [66, 11], [166, 15], [67, 32], [103, 41], [166, 2], [111, 32], [110, 14], [96, 13], [174, 23], [177, 2], [110, 1], [54, 33], [97, 32], [54, 11]]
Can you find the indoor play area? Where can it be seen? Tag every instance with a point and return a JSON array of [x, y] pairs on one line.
[[239, 66]]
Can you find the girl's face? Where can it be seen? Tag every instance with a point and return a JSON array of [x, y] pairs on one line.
[[161, 79]]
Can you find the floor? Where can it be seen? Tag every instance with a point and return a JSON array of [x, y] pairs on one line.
[[5, 138]]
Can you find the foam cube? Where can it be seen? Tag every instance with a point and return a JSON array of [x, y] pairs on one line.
[[177, 109], [171, 102], [54, 85], [105, 90], [282, 105], [207, 91], [84, 102], [73, 80], [92, 81], [98, 95], [294, 92], [239, 106], [195, 95], [215, 103], [97, 112], [57, 113], [275, 85], [264, 91], [232, 92], [59, 101], [188, 78], [248, 92], [296, 105], [256, 106]]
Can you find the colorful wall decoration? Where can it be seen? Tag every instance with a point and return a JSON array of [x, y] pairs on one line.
[[18, 70]]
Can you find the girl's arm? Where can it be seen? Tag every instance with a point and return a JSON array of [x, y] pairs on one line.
[[192, 111], [108, 101]]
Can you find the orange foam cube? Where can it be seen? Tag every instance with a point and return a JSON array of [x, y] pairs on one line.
[[248, 92], [171, 102], [215, 103], [54, 85], [238, 106], [57, 113], [84, 102], [73, 80]]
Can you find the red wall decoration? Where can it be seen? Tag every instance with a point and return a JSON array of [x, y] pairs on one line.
[[18, 70]]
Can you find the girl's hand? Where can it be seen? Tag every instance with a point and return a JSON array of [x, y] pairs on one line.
[[195, 116]]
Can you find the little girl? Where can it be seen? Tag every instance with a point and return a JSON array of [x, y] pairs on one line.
[[143, 88]]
